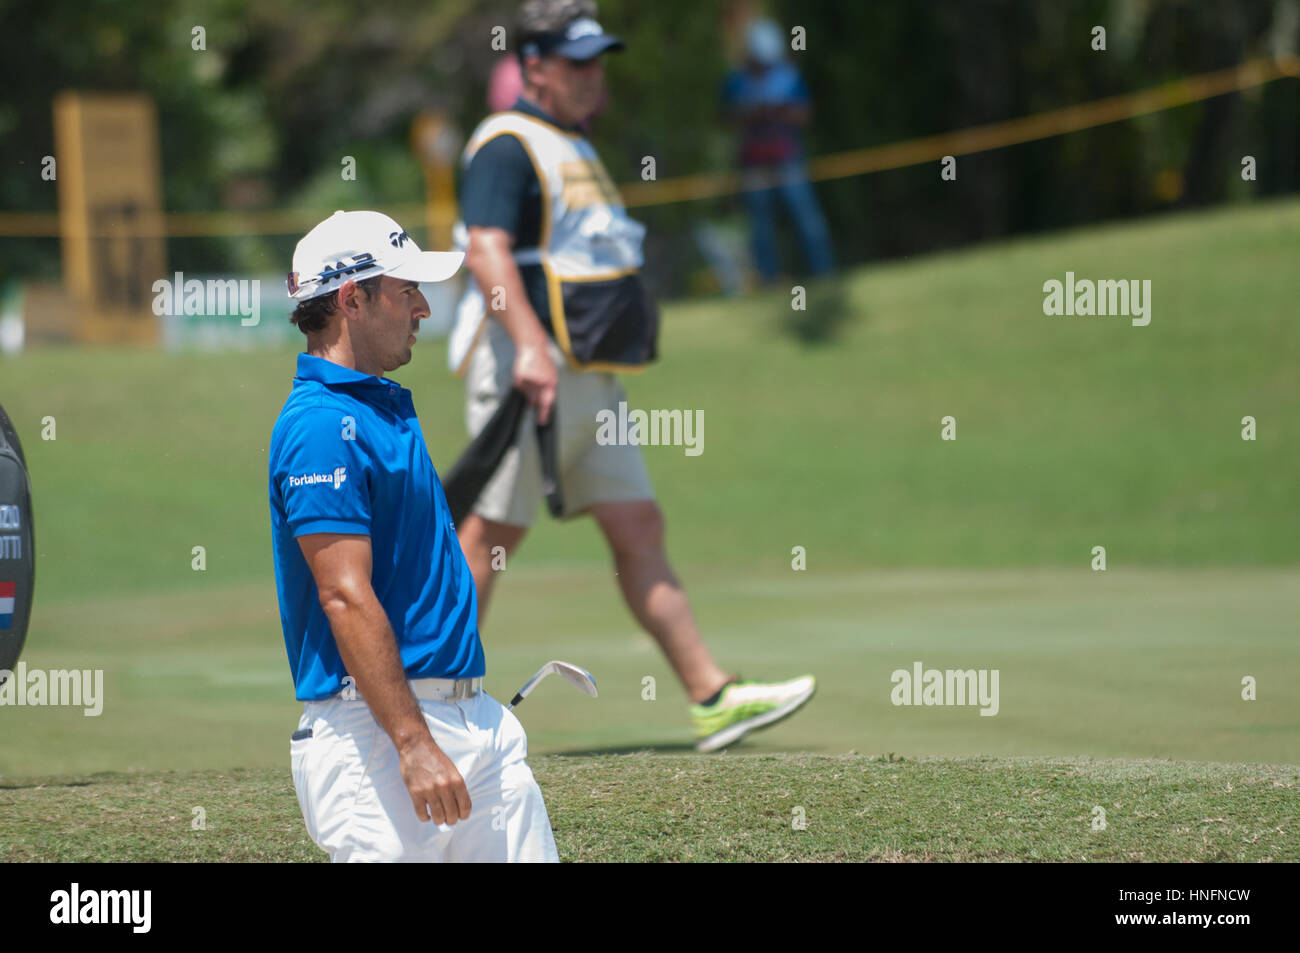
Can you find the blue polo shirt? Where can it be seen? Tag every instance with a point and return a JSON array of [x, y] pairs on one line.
[[767, 141], [348, 456]]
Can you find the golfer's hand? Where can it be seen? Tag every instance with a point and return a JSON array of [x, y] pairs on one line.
[[535, 375], [437, 790]]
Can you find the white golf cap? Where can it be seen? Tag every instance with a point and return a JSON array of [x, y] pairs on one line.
[[354, 246]]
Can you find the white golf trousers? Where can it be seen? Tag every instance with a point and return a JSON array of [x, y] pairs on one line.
[[358, 809]]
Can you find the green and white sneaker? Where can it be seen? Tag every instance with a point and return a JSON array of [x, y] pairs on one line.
[[745, 706]]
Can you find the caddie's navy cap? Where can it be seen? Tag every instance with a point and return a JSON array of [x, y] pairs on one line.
[[581, 39]]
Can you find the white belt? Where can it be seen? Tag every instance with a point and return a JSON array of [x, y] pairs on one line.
[[429, 689], [445, 689]]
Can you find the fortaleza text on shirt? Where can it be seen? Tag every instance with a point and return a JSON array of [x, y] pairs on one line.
[[655, 428], [311, 479]]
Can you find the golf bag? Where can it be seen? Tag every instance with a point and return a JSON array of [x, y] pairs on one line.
[[17, 545]]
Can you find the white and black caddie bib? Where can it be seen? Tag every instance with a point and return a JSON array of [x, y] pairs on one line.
[[590, 251]]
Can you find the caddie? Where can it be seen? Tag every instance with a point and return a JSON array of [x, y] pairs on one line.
[[556, 309], [399, 755]]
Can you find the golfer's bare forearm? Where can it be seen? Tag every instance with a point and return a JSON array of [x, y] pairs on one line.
[[493, 266], [368, 648]]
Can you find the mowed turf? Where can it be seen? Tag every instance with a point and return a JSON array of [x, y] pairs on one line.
[[1124, 664], [966, 554], [792, 807]]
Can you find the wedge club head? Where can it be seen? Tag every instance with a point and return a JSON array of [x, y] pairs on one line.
[[576, 676]]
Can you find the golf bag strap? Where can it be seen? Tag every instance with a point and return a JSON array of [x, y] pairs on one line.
[[463, 483], [546, 444]]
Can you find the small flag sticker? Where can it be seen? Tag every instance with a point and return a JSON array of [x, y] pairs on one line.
[[7, 592]]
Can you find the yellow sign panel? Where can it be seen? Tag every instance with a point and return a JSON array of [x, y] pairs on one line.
[[110, 213], [436, 145]]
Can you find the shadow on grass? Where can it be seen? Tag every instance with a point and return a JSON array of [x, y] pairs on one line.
[[668, 747], [825, 311], [686, 747], [51, 783]]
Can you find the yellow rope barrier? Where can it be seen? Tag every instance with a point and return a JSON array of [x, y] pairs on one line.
[[838, 165]]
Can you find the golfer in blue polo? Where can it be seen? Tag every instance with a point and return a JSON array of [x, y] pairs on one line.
[[399, 755]]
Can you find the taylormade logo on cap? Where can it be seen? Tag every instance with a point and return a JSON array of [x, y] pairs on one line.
[[354, 246]]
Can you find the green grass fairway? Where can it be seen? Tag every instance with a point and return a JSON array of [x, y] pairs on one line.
[[1123, 664], [968, 554], [730, 808], [1071, 432]]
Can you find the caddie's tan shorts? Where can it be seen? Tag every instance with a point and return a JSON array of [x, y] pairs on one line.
[[588, 472]]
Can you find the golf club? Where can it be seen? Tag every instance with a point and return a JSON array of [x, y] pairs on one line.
[[579, 678]]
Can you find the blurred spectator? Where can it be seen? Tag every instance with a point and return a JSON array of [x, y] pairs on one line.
[[505, 84], [769, 102]]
